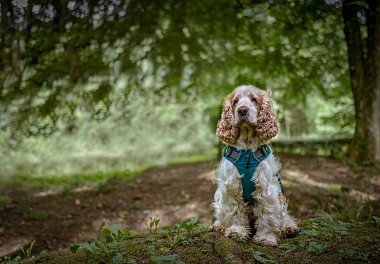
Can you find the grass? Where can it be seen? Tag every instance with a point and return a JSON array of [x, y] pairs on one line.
[[64, 183], [323, 240], [200, 157], [30, 213], [4, 199]]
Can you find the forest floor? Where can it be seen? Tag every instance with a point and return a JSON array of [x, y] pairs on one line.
[[315, 186]]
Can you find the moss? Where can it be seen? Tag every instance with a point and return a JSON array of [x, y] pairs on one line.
[[61, 257], [228, 250], [323, 241], [200, 251]]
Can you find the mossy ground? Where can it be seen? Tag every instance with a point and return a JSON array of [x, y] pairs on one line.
[[323, 240]]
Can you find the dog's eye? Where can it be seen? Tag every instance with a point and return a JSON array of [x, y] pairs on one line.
[[235, 101], [253, 99]]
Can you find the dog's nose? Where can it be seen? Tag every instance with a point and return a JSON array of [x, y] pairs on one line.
[[242, 111]]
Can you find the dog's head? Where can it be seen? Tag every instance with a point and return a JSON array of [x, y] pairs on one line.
[[247, 105]]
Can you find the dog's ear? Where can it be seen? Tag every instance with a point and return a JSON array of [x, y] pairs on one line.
[[267, 126], [226, 130]]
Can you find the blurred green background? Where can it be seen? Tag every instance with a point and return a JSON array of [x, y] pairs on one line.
[[104, 86]]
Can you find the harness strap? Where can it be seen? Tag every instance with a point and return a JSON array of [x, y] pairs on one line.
[[246, 162], [235, 154]]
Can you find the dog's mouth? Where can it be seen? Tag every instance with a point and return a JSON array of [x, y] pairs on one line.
[[246, 121]]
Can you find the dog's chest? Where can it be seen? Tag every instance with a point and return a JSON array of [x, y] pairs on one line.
[[230, 178], [246, 163]]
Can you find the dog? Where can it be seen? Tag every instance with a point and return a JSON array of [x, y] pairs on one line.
[[249, 188]]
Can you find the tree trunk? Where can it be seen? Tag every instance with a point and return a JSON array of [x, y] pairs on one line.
[[28, 20], [60, 18], [3, 33], [374, 71], [63, 16], [362, 148]]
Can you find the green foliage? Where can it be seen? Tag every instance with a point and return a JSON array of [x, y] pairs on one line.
[[175, 234], [153, 224], [167, 259], [189, 226], [326, 225], [376, 220], [28, 251], [324, 240], [84, 93], [107, 246], [317, 248], [263, 258], [320, 234], [144, 131], [110, 247], [4, 200], [355, 254], [30, 213], [359, 211], [11, 260], [320, 146], [8, 224]]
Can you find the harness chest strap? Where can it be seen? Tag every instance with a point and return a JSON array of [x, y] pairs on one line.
[[246, 162]]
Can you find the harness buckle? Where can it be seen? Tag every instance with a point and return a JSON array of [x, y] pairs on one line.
[[263, 151], [260, 152], [229, 151]]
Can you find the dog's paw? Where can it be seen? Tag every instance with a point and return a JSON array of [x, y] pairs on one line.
[[290, 232], [236, 231], [217, 228], [266, 239]]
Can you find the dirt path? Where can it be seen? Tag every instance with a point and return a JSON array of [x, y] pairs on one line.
[[174, 193]]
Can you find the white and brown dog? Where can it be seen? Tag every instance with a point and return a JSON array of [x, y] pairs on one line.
[[249, 187]]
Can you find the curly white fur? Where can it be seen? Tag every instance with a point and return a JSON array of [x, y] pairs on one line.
[[270, 208]]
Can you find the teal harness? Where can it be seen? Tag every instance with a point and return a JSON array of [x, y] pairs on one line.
[[246, 161]]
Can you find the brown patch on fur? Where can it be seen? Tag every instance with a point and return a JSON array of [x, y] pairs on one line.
[[226, 130], [217, 228], [234, 235], [267, 126], [283, 198], [251, 220], [291, 232]]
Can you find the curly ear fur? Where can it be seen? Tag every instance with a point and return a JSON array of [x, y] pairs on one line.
[[267, 126], [226, 130]]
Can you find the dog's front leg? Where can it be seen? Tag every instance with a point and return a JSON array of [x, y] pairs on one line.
[[289, 227], [268, 210], [230, 211], [237, 223], [266, 224]]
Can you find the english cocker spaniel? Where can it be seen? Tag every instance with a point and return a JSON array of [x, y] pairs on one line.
[[250, 197]]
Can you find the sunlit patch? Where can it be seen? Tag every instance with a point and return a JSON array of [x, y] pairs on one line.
[[85, 188], [14, 244], [45, 193], [305, 179], [167, 215]]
